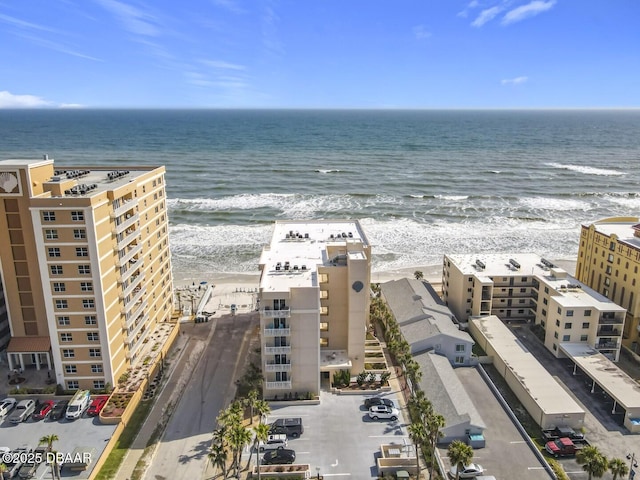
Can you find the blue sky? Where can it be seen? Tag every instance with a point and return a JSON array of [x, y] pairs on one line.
[[320, 53]]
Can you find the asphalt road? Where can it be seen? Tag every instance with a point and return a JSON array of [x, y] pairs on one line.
[[182, 451]]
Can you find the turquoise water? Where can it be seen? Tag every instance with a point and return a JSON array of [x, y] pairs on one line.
[[422, 182]]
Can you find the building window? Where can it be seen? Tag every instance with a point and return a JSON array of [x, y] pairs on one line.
[[607, 281], [68, 353], [77, 215], [460, 347], [51, 234], [557, 323], [92, 336], [546, 289], [64, 321], [66, 337], [59, 287], [53, 251], [95, 352], [559, 311], [62, 304], [555, 334], [523, 290], [587, 313], [555, 347], [84, 269], [88, 303], [544, 312], [48, 216], [73, 385], [56, 269], [90, 320], [98, 384], [324, 326], [569, 313], [96, 368], [70, 369], [610, 258], [566, 338], [79, 233], [324, 342], [584, 338], [608, 270], [459, 360], [585, 324], [86, 286], [545, 301], [568, 325], [82, 252]]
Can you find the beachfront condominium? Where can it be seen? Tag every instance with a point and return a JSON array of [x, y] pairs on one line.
[[526, 288], [314, 304], [85, 267], [608, 261]]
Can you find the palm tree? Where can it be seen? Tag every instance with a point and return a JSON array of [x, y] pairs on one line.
[[262, 408], [618, 468], [413, 373], [250, 401], [218, 457], [3, 469], [593, 461], [238, 437], [460, 454], [262, 435], [434, 426], [418, 435], [48, 440], [418, 274]]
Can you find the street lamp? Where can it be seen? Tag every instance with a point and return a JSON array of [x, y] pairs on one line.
[[633, 464]]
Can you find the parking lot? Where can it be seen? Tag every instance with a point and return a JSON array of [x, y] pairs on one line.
[[339, 438], [84, 432]]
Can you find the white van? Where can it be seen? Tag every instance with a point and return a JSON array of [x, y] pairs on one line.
[[78, 404]]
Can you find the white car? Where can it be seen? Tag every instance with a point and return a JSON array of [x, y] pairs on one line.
[[382, 411], [275, 441], [6, 406], [470, 471]]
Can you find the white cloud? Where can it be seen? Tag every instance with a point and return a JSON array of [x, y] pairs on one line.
[[71, 105], [133, 19], [9, 100], [222, 65], [525, 11], [514, 81], [230, 5], [16, 22], [470, 6], [486, 16], [421, 32]]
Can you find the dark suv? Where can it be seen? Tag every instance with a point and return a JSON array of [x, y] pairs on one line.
[[279, 456], [373, 401], [292, 427]]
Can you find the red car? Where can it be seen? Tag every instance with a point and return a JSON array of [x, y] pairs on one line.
[[96, 405], [43, 409]]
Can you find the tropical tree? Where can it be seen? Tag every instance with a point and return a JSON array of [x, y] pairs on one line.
[[3, 470], [263, 409], [460, 454], [413, 373], [261, 435], [418, 274], [218, 457], [418, 435], [250, 401], [435, 424], [593, 461], [238, 437], [618, 468], [48, 441]]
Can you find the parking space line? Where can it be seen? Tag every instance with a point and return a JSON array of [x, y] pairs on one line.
[[535, 468], [336, 474], [518, 441]]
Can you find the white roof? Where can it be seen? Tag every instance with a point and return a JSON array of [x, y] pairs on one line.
[[536, 380], [620, 227], [607, 374]]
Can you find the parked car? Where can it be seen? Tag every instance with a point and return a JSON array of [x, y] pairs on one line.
[[562, 447], [14, 467], [373, 401], [291, 427], [22, 411], [273, 442], [97, 404], [43, 410], [279, 456], [6, 406], [470, 471], [562, 432], [57, 412], [383, 412], [28, 468]]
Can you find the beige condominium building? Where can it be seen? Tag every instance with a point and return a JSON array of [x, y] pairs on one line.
[[314, 304], [85, 264], [528, 288], [608, 261]]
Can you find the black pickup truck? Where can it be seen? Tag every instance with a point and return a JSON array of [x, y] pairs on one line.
[[563, 432]]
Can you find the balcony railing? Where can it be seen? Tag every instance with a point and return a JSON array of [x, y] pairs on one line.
[[270, 313], [277, 367], [277, 332], [124, 206], [279, 385], [127, 223], [607, 346], [609, 333], [134, 250], [610, 321], [274, 350], [127, 237]]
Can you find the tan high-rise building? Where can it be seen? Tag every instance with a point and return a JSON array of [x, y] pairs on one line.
[[314, 304], [608, 261], [85, 264]]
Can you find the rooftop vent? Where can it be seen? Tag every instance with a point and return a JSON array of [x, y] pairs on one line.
[[515, 264], [480, 264], [547, 263]]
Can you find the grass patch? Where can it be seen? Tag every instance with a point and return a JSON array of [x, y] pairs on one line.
[[112, 464]]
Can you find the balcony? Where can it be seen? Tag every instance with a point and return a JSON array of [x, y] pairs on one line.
[[141, 321], [271, 350], [131, 285], [122, 207], [135, 312], [278, 385], [126, 238], [132, 251], [607, 346], [128, 222], [609, 333], [277, 367], [610, 320], [134, 300], [276, 332], [269, 313]]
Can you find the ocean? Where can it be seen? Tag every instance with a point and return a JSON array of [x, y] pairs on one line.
[[422, 183]]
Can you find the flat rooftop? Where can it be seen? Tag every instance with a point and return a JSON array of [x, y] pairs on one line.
[[542, 387], [570, 292], [297, 248], [621, 228], [620, 386]]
